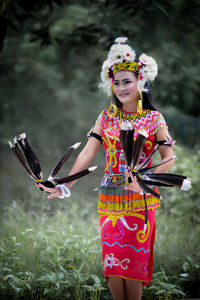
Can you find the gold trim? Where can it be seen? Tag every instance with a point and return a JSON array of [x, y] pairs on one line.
[[112, 114], [125, 277]]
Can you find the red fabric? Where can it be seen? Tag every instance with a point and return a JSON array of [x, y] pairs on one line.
[[126, 251], [148, 120]]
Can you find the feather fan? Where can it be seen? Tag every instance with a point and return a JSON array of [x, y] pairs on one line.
[[20, 157], [133, 151], [30, 156], [30, 162]]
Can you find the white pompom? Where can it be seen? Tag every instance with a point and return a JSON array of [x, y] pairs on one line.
[[124, 126], [121, 39], [130, 125], [143, 132]]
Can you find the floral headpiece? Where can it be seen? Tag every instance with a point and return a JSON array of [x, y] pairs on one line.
[[122, 57]]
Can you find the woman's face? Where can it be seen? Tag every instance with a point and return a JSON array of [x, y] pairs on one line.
[[125, 87]]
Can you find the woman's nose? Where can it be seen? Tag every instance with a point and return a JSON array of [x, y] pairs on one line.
[[121, 87]]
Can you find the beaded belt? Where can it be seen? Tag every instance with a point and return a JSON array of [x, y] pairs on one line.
[[113, 179]]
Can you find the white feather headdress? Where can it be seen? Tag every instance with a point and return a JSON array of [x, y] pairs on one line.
[[119, 53]]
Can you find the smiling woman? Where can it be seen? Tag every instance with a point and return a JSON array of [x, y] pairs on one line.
[[125, 89], [127, 245]]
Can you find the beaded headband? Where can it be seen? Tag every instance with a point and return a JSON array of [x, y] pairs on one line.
[[122, 57], [127, 66]]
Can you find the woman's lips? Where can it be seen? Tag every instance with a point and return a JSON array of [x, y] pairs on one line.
[[123, 94]]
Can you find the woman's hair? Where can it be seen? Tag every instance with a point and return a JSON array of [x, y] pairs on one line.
[[148, 102]]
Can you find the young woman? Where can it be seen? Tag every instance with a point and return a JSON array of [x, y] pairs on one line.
[[127, 248]]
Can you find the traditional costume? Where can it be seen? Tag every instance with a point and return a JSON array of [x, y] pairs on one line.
[[127, 248]]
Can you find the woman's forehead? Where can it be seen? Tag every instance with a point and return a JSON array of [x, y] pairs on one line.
[[120, 75]]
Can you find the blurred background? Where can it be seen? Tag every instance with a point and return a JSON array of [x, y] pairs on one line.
[[51, 53]]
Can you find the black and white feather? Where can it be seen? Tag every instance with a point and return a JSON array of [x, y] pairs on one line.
[[133, 150], [30, 162]]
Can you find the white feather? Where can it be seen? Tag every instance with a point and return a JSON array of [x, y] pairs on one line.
[[186, 185]]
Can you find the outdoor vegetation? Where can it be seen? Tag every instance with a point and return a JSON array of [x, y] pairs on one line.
[[51, 53]]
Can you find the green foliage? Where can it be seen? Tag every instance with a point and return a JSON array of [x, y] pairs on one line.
[[49, 257], [161, 288], [188, 164], [77, 34], [51, 249]]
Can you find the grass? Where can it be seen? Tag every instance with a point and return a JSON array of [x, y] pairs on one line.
[[51, 249], [48, 257], [59, 257]]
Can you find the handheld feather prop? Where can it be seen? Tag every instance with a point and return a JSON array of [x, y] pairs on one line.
[[133, 151], [30, 162]]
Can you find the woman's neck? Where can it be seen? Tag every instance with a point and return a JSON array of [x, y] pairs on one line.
[[130, 107]]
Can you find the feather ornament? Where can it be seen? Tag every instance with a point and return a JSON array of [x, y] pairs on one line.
[[30, 156], [186, 184], [133, 151], [75, 176], [62, 160], [138, 147], [20, 157], [140, 170], [30, 162]]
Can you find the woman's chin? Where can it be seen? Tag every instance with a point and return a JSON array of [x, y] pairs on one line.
[[125, 100]]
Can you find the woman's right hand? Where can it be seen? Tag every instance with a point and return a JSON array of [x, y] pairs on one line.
[[134, 185], [54, 192]]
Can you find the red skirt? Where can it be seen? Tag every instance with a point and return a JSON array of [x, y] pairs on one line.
[[127, 251]]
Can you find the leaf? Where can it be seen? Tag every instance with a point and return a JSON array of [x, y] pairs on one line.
[[46, 290], [6, 269], [162, 291], [96, 279], [185, 275]]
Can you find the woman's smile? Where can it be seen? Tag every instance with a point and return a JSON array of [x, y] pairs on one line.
[[124, 94], [125, 89]]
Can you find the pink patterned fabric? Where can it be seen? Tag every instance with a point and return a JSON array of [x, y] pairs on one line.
[[127, 251], [149, 120]]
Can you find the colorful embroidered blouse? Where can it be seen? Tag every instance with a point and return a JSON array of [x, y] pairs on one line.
[[149, 120], [117, 199]]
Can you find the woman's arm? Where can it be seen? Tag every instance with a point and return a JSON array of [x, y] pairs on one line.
[[82, 162], [166, 152]]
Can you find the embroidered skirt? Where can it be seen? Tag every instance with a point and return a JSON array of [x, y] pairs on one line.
[[127, 251]]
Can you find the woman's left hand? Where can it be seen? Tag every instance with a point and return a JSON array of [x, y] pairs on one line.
[[54, 192], [134, 185]]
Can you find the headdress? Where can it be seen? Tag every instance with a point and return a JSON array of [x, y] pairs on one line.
[[122, 57]]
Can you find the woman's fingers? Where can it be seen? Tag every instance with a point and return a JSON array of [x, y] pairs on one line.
[[133, 186], [57, 193], [54, 192], [45, 188]]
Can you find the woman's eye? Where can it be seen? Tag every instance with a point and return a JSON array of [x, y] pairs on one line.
[[116, 83], [127, 82]]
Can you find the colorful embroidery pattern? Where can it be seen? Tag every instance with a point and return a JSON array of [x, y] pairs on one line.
[[111, 153], [127, 251], [137, 250], [111, 261], [119, 202], [149, 120], [121, 224]]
